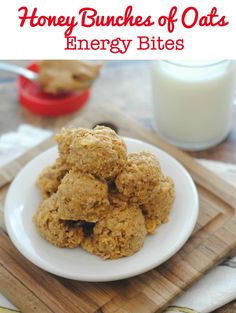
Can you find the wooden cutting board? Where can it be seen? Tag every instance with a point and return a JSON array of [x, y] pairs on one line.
[[34, 290]]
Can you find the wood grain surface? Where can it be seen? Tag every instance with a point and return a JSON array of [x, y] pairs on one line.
[[214, 237]]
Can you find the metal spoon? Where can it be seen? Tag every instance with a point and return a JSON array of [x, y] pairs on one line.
[[18, 70], [84, 83]]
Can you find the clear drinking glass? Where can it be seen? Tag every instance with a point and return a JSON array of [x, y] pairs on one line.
[[192, 101]]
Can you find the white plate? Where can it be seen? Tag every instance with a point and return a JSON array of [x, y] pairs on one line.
[[23, 199]]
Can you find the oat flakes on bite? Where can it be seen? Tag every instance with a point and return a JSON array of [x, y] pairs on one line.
[[140, 175], [118, 234], [156, 210], [56, 231], [82, 197], [64, 140], [50, 178], [99, 151]]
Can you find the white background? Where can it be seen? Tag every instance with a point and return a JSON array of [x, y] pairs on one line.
[[49, 42]]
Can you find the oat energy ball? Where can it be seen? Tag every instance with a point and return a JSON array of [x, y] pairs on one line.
[[99, 151], [120, 233], [98, 197], [51, 177], [141, 174], [156, 211], [82, 197], [64, 139], [58, 232]]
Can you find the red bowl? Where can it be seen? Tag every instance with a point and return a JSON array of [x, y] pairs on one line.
[[35, 100]]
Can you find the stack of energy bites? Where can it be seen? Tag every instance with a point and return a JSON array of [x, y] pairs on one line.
[[99, 197]]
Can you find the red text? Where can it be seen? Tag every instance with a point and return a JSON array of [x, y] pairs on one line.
[[35, 20], [90, 18]]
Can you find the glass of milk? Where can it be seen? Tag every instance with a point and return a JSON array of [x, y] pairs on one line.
[[192, 101]]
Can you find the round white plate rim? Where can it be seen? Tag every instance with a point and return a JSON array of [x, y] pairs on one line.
[[84, 277]]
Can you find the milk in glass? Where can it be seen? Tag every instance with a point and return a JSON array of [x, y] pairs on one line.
[[192, 101]]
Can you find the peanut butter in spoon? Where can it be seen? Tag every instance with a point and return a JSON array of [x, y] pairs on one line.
[[59, 76]]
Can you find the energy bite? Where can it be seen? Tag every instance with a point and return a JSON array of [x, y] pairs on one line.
[[118, 234], [139, 177], [64, 139], [52, 228], [50, 178], [82, 197], [98, 197], [157, 209], [99, 151]]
